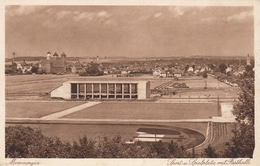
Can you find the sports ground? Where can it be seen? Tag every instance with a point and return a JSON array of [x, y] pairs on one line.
[[184, 120], [184, 123]]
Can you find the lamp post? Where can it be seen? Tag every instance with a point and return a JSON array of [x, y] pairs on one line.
[[218, 82], [205, 84]]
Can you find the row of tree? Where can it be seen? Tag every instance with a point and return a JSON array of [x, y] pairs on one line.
[[92, 70], [25, 142]]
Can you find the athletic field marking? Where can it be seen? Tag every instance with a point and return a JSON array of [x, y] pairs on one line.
[[69, 111]]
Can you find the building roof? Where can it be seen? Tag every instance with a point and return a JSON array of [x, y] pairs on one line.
[[55, 54], [108, 81], [63, 55]]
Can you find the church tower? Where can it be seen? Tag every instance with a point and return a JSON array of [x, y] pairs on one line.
[[248, 60], [97, 59], [48, 55]]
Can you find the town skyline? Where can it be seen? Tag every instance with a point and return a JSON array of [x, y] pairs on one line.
[[129, 31]]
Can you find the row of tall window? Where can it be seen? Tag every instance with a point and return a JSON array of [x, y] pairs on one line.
[[102, 90]]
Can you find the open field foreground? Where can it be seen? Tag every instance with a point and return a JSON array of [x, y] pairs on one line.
[[35, 109], [114, 110], [156, 111], [109, 121]]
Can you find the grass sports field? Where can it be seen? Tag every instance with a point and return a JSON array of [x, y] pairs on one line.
[[35, 109], [159, 111]]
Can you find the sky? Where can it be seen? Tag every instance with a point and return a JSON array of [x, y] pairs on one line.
[[129, 31]]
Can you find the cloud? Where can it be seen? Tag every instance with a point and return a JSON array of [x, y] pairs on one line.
[[62, 14], [181, 10], [200, 7], [50, 11], [49, 23], [103, 14], [84, 15], [209, 19], [157, 15], [177, 11], [21, 10], [76, 12], [144, 17], [110, 22], [240, 16]]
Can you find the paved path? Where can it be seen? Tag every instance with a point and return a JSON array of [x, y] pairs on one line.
[[226, 113], [69, 111]]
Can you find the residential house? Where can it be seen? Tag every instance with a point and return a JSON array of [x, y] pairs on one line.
[[163, 74]]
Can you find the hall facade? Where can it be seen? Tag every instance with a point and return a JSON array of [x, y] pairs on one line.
[[103, 90]]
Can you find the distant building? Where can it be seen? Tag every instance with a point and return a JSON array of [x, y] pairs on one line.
[[55, 55], [190, 69], [177, 74], [63, 55], [53, 65], [97, 59], [125, 72], [163, 74], [228, 69], [106, 72], [157, 71], [58, 66], [75, 67], [48, 55], [248, 60], [241, 69]]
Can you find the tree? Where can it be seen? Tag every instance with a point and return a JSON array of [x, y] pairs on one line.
[[92, 70], [25, 142], [84, 149], [210, 152], [248, 68], [186, 67], [223, 68], [243, 142], [161, 150], [204, 74], [35, 68], [175, 150]]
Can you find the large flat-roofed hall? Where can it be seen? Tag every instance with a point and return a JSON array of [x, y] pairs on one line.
[[103, 90]]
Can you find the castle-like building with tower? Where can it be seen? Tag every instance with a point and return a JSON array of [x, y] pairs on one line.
[[53, 64]]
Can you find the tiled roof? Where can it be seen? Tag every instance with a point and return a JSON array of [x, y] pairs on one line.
[[55, 54]]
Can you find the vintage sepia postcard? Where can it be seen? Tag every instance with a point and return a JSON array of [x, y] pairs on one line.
[[143, 83]]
